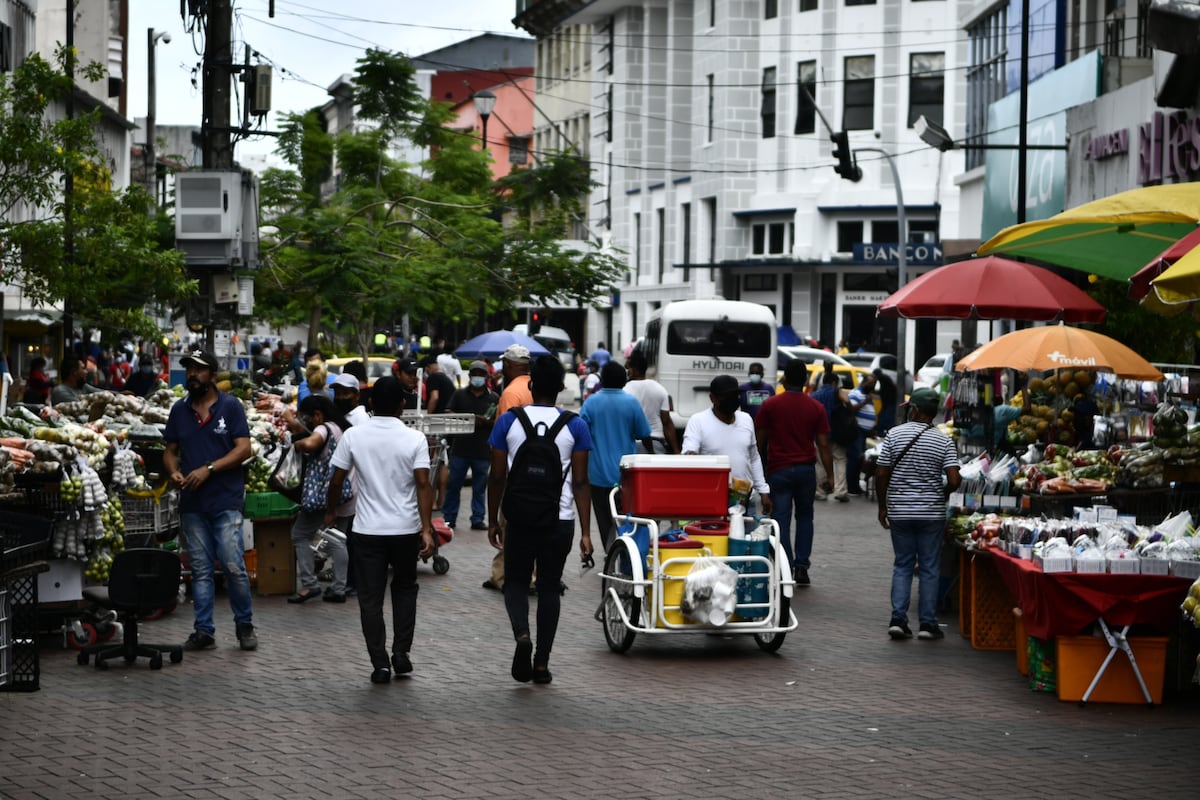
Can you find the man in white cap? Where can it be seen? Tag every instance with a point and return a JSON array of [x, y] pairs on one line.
[[471, 452], [516, 379], [345, 399]]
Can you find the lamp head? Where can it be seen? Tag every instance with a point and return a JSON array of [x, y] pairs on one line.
[[933, 134], [484, 101]]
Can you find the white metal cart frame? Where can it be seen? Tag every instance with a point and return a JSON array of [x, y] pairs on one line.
[[625, 587]]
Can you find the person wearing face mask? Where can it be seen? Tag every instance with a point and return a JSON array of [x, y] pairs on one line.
[[345, 399], [726, 430], [144, 380], [755, 391], [471, 452], [207, 439]]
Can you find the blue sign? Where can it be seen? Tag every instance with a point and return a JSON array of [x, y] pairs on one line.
[[920, 254], [243, 364]]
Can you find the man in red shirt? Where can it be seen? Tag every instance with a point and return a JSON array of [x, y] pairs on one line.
[[792, 431]]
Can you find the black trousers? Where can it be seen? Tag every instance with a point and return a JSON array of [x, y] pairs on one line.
[[602, 515], [548, 549], [372, 555]]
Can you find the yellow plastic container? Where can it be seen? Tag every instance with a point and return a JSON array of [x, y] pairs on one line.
[[713, 534], [672, 590]]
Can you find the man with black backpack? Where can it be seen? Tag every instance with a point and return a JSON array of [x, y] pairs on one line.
[[539, 470]]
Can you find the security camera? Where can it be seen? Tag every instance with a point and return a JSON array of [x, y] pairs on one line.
[[166, 38], [878, 134]]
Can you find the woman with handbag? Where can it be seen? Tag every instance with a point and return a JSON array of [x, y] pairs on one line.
[[321, 426]]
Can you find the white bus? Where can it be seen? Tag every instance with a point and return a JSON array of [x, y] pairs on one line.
[[690, 342]]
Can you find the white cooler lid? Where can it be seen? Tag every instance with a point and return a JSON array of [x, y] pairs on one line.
[[647, 461]]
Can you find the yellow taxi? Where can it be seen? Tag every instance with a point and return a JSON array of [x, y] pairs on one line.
[[848, 376], [377, 366]]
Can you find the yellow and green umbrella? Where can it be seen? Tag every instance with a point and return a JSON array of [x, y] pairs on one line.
[[1114, 236]]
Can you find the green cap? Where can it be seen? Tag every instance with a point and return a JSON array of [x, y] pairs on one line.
[[925, 400]]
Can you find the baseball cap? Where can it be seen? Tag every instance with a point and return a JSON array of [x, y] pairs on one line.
[[925, 400], [723, 384], [517, 352], [347, 380], [405, 365], [428, 361], [200, 358], [481, 365]]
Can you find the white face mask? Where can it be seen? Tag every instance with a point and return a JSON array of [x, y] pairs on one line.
[[478, 381], [756, 379]]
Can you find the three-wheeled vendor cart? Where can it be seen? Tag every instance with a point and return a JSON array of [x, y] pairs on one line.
[[643, 579]]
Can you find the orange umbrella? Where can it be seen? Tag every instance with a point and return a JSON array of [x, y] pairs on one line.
[[1059, 347]]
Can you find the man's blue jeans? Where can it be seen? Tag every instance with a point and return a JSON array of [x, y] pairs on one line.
[[916, 542], [794, 486], [854, 461], [211, 538], [458, 474]]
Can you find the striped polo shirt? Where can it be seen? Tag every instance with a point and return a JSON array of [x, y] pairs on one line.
[[915, 490], [865, 416]]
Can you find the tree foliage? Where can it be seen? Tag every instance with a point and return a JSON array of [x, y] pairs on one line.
[[424, 240], [98, 250], [1170, 340]]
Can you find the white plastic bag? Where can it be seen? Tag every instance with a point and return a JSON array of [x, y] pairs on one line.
[[709, 592]]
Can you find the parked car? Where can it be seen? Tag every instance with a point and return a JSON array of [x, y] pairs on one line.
[[886, 362], [930, 373], [377, 366], [813, 357]]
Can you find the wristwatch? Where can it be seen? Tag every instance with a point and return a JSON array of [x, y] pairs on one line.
[[211, 468]]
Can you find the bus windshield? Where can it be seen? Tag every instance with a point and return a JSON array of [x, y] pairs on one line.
[[718, 338]]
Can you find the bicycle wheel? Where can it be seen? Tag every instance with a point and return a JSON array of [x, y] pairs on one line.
[[618, 565]]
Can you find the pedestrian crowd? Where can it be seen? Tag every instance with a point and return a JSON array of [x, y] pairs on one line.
[[537, 472]]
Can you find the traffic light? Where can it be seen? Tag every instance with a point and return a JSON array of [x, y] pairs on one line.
[[846, 166], [535, 322]]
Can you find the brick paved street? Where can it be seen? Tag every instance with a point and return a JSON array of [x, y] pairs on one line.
[[839, 712]]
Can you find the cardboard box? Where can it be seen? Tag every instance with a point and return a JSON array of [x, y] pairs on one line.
[[276, 558], [1079, 657]]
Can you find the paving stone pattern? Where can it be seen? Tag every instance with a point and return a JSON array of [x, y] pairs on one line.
[[840, 712]]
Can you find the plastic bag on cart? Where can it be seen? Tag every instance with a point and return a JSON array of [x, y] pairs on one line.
[[709, 592], [288, 477]]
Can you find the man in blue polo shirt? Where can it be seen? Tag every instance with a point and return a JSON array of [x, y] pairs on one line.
[[616, 422], [207, 440]]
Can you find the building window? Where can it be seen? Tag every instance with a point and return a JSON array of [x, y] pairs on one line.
[[771, 238], [858, 113], [768, 103], [759, 283], [808, 5], [849, 233], [926, 86], [708, 121], [985, 77], [860, 2], [660, 220], [770, 9], [685, 228], [885, 231], [806, 95], [710, 224], [712, 13], [518, 150], [922, 231], [637, 244]]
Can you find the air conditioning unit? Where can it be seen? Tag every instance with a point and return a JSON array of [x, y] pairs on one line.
[[260, 103], [208, 205]]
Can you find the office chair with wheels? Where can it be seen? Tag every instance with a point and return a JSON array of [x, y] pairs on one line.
[[142, 581]]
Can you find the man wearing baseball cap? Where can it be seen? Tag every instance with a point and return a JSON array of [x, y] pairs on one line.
[[207, 439], [471, 452], [913, 460], [726, 430], [405, 369], [345, 399], [516, 379]]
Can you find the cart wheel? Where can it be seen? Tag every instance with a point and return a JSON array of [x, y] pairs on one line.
[[770, 642], [177, 655], [156, 661], [441, 565], [82, 658], [90, 637], [616, 633]]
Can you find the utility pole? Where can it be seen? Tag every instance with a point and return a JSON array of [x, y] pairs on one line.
[[68, 319], [215, 139]]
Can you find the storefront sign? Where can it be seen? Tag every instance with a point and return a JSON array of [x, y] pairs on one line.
[[1107, 145], [1168, 148], [925, 254], [864, 298]]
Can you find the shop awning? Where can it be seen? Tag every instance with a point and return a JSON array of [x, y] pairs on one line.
[[42, 316]]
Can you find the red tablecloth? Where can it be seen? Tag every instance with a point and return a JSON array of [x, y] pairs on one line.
[[1064, 603]]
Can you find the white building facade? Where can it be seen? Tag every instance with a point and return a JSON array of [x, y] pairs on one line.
[[716, 174]]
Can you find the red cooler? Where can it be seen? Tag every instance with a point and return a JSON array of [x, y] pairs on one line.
[[684, 487]]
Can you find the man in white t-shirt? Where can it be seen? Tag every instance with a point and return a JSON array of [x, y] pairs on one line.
[[392, 524], [655, 402], [449, 366], [725, 430], [525, 543]]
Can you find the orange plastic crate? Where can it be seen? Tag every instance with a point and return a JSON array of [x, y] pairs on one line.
[[991, 608], [1080, 656]]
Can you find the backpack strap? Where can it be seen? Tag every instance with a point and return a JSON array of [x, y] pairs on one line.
[[564, 417], [523, 418]]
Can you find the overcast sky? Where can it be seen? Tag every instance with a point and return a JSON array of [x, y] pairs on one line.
[[310, 43]]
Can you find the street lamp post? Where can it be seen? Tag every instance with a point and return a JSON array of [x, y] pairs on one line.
[[151, 102], [901, 276], [485, 101]]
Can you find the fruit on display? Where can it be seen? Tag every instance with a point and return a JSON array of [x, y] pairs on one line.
[[1050, 417], [257, 474], [1170, 427], [1191, 605]]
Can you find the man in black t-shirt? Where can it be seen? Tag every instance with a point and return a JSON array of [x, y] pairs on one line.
[[471, 451], [438, 386]]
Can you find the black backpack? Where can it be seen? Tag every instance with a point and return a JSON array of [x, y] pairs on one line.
[[843, 425], [535, 479]]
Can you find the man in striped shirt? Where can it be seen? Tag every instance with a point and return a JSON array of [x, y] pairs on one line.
[[864, 414], [912, 503]]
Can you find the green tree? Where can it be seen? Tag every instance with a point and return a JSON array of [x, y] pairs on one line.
[[1170, 340], [117, 263]]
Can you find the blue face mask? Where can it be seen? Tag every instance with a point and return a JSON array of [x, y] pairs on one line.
[[756, 379], [478, 381]]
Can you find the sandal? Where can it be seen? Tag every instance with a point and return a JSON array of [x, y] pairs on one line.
[[305, 596]]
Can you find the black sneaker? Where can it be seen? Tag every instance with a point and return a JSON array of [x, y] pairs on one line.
[[381, 675], [522, 665], [199, 641], [898, 629], [930, 631], [246, 637], [800, 575], [401, 664]]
